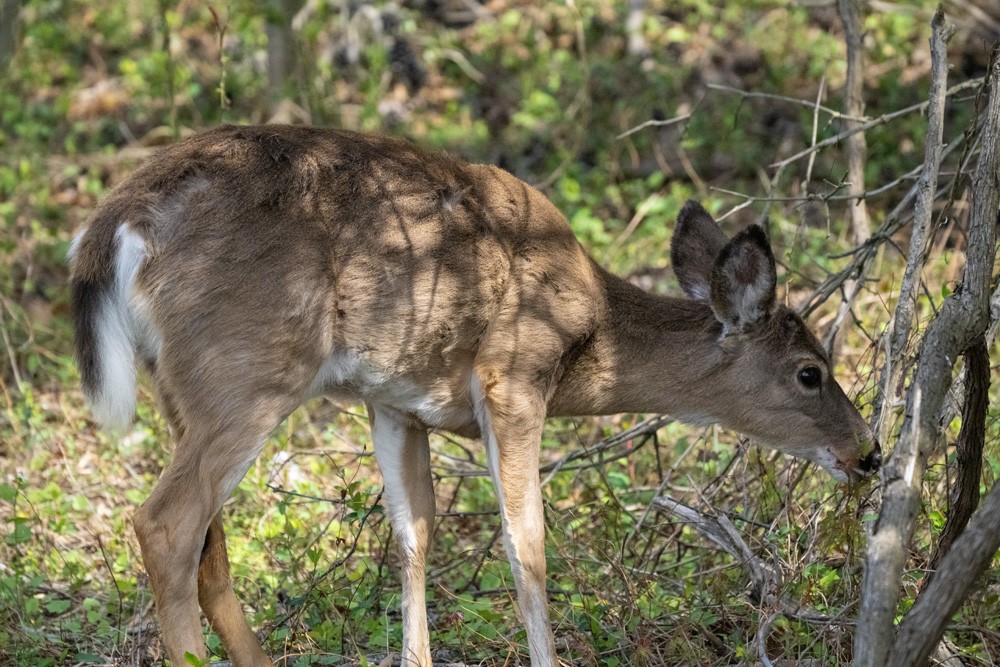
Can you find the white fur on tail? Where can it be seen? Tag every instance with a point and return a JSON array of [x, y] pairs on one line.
[[113, 403]]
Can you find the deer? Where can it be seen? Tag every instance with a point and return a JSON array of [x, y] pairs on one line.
[[249, 269]]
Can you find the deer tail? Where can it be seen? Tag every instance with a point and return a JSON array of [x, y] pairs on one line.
[[106, 258]]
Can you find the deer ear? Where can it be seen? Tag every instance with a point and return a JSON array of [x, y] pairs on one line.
[[743, 281], [696, 244]]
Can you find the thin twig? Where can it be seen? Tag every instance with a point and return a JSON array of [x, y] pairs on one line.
[[654, 123], [815, 127], [875, 122], [782, 98]]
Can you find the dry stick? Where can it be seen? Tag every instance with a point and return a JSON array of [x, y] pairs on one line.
[[864, 254], [654, 123], [901, 323], [922, 627], [969, 450], [815, 127], [833, 113], [963, 319], [765, 579]]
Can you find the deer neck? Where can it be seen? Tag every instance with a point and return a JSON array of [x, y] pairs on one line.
[[649, 353]]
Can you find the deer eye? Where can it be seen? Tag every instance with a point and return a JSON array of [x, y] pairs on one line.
[[810, 377]]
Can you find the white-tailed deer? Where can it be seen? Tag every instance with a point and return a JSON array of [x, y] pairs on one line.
[[251, 268]]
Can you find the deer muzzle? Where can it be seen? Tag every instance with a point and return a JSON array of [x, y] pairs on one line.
[[871, 463]]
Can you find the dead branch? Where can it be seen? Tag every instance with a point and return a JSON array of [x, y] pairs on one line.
[[969, 446], [654, 123], [921, 628], [902, 321], [864, 255], [962, 320], [764, 580], [754, 94], [856, 150]]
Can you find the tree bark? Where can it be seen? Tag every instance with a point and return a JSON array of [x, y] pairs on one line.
[[856, 147], [962, 320], [902, 319], [922, 627], [969, 450], [856, 150]]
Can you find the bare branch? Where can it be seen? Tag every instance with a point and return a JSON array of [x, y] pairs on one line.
[[922, 627], [963, 319], [902, 320], [718, 528], [856, 150], [969, 449], [833, 113], [654, 123], [875, 122], [865, 253]]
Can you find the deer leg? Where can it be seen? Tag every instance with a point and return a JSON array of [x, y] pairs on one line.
[[221, 606], [404, 457], [510, 417], [172, 526], [215, 591]]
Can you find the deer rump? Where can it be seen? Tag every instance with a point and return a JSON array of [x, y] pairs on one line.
[[250, 268]]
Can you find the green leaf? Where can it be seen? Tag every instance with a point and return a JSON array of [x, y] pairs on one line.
[[21, 532], [7, 492], [618, 480], [58, 606]]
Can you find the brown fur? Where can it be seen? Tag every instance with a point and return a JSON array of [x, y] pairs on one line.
[[278, 259]]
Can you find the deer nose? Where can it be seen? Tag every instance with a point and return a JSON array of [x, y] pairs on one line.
[[873, 461]]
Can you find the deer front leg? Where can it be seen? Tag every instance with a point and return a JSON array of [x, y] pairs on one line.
[[403, 455], [511, 416]]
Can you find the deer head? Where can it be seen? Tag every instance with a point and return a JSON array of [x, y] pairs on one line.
[[778, 386]]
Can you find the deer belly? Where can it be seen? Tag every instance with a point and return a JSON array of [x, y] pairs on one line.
[[440, 400]]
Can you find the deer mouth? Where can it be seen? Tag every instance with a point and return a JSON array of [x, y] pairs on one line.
[[856, 470], [853, 474], [845, 472]]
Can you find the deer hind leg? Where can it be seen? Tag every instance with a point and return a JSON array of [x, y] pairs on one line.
[[221, 606], [403, 455], [215, 591], [511, 415], [183, 551]]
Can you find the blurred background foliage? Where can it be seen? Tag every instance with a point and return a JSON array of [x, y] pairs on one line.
[[554, 92]]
